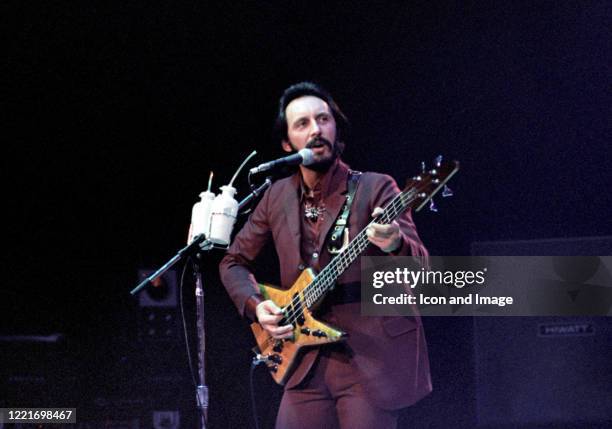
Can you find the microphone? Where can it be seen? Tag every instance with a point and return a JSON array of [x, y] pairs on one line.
[[305, 157]]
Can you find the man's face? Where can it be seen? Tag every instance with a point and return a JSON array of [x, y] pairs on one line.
[[311, 124]]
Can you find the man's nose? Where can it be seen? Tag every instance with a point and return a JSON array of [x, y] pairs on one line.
[[315, 129]]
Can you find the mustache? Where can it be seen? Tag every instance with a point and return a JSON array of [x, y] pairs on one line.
[[317, 141]]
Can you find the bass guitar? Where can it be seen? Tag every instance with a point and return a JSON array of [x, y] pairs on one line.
[[298, 302]]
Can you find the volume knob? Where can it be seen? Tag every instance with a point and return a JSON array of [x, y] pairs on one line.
[[276, 358]]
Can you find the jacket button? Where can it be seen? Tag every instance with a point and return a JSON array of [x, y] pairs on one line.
[[315, 255], [301, 267]]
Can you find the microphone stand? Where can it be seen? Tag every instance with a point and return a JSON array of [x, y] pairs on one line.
[[201, 388], [199, 243]]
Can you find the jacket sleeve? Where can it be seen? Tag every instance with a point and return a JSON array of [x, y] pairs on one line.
[[236, 267]]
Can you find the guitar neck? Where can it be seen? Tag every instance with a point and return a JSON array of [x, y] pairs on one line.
[[326, 279]]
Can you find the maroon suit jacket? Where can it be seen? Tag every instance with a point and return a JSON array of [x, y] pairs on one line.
[[389, 352]]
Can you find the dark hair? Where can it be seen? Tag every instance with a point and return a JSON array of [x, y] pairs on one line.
[[300, 90]]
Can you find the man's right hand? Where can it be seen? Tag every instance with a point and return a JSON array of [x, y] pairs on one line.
[[268, 316]]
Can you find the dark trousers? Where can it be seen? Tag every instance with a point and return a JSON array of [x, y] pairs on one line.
[[331, 397]]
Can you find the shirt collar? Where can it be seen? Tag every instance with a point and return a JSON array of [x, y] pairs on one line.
[[334, 177]]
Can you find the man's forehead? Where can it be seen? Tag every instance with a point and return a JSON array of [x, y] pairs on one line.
[[305, 105]]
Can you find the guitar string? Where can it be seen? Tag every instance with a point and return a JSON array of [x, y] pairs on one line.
[[320, 284], [351, 253], [399, 203], [347, 257]]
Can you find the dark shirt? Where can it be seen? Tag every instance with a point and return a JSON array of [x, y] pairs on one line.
[[312, 208]]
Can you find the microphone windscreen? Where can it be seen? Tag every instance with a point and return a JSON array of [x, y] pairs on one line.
[[307, 156]]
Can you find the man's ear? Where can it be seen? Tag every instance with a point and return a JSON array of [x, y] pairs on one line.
[[287, 146]]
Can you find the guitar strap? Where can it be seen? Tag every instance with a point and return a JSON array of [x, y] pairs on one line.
[[339, 233]]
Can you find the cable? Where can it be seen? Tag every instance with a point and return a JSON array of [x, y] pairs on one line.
[[241, 166], [252, 187], [256, 361], [182, 309]]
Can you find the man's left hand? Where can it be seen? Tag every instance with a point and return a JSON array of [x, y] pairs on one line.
[[387, 237]]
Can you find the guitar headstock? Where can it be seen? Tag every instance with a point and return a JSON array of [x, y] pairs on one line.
[[429, 182]]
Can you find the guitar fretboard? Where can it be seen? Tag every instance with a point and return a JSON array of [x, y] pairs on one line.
[[326, 279]]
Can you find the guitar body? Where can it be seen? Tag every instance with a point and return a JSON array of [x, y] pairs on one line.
[[281, 355]]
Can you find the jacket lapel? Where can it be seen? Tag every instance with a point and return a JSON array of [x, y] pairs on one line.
[[291, 206], [336, 190]]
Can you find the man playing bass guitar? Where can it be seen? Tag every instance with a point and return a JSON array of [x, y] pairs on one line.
[[382, 365]]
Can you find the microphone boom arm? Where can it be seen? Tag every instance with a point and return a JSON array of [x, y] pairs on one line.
[[255, 192]]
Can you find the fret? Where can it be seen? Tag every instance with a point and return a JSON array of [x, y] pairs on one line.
[[328, 276]]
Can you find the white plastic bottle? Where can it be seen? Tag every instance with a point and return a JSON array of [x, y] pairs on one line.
[[200, 216], [223, 216]]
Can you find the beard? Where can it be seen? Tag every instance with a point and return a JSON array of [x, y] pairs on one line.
[[323, 164]]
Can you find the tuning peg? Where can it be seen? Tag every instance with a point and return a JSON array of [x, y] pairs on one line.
[[432, 206], [423, 167], [446, 192], [438, 161]]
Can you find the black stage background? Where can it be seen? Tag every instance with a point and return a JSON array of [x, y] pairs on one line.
[[115, 112]]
